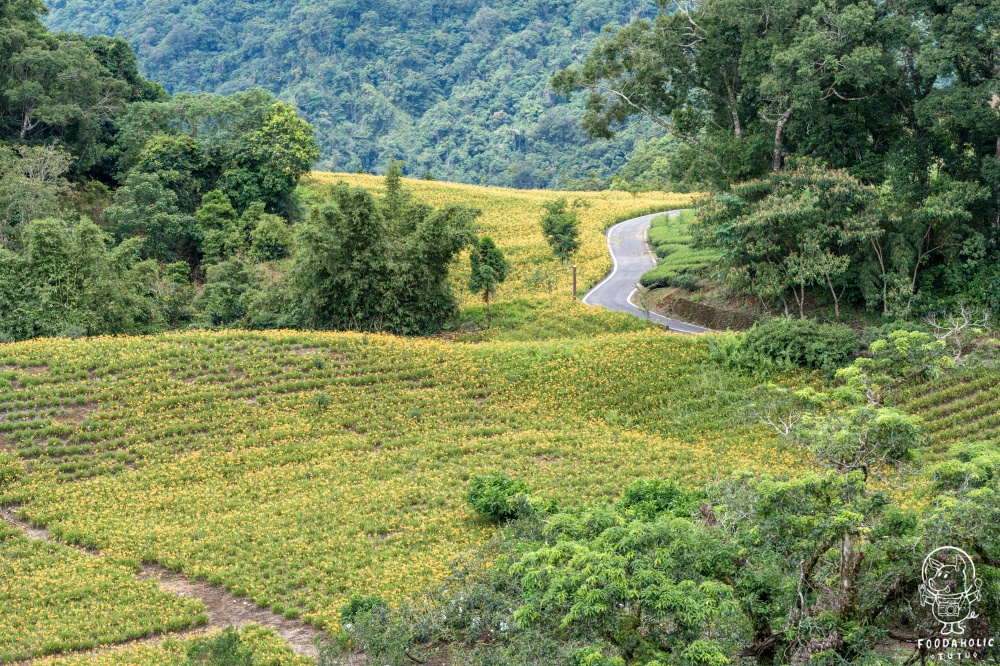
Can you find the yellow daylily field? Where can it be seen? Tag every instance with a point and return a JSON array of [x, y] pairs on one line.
[[300, 468]]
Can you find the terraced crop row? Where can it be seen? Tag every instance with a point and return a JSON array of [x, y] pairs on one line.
[[300, 468], [962, 407]]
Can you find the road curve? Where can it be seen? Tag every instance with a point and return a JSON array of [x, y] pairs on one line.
[[632, 257]]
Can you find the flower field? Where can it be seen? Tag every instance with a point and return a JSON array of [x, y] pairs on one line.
[[296, 469], [266, 647], [55, 598]]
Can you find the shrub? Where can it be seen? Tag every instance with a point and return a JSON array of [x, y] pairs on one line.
[[272, 238], [223, 649], [785, 343], [498, 497], [651, 498]]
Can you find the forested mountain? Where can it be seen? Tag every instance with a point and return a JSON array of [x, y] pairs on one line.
[[455, 88]]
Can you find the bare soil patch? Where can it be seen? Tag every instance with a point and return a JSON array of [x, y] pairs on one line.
[[224, 609], [76, 414]]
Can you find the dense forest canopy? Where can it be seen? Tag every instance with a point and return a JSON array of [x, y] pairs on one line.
[[455, 88]]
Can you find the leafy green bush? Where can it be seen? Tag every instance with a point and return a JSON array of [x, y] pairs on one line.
[[223, 649], [786, 343], [498, 497]]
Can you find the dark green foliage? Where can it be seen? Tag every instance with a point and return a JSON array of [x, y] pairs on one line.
[[901, 215], [561, 228], [654, 497], [145, 208], [489, 269], [362, 264], [271, 238], [67, 279], [357, 605], [786, 343], [498, 497], [63, 89], [455, 88], [223, 297], [224, 649], [249, 145]]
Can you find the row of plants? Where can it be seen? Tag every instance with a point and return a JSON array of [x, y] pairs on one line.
[[679, 263], [297, 469], [56, 598]]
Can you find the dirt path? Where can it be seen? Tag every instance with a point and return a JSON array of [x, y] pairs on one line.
[[223, 607]]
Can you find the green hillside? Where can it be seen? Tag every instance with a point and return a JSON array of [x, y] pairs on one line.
[[457, 88]]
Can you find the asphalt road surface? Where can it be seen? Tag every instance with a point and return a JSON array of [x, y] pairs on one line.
[[632, 257]]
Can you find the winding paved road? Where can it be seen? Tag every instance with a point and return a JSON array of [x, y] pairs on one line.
[[632, 257]]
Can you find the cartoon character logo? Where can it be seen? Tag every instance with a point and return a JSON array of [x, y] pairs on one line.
[[950, 588]]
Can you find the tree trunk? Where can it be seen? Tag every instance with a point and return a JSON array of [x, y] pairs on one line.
[[779, 141], [836, 299], [486, 298], [885, 283]]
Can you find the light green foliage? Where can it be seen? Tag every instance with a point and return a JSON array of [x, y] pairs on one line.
[[902, 356], [256, 645], [680, 264], [57, 598], [31, 182], [872, 440], [561, 228]]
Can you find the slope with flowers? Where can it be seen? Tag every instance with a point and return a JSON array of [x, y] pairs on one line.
[[297, 469]]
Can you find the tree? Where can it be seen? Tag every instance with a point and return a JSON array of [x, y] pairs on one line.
[[145, 208], [561, 228], [489, 269], [791, 230], [216, 220], [370, 265], [67, 281], [247, 145], [735, 81], [31, 182], [272, 238]]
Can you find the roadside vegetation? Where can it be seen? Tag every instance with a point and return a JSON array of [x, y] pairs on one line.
[[679, 263]]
